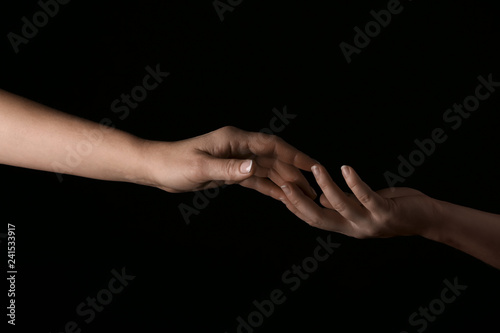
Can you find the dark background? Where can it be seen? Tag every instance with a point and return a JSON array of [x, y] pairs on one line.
[[201, 277]]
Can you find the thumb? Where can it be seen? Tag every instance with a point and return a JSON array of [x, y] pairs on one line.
[[229, 169]]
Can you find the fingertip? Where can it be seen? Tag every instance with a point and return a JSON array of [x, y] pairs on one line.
[[315, 170], [246, 167], [346, 170], [286, 188]]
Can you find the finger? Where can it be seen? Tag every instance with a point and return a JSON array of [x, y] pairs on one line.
[[264, 186], [324, 201], [263, 172], [294, 210], [368, 198], [280, 172], [229, 170], [270, 145], [337, 198], [302, 206]]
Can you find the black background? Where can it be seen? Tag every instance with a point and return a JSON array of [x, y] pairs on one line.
[[200, 277]]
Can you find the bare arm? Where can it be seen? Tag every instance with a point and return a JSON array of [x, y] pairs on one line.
[[396, 212], [469, 230], [38, 137]]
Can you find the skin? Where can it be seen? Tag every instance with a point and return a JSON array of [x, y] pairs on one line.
[[38, 137], [395, 212]]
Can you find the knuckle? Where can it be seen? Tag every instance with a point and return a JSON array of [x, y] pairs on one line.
[[339, 206], [324, 185], [295, 201], [272, 138], [275, 194], [262, 139], [228, 168], [315, 221], [228, 130], [365, 198], [277, 139], [353, 185]]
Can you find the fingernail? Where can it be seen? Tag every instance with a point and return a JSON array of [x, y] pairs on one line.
[[315, 170], [345, 170], [246, 166], [286, 189]]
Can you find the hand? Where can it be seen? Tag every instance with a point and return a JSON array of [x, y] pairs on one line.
[[228, 156], [366, 214]]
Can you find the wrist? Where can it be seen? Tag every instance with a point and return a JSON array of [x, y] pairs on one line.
[[152, 156], [436, 221], [134, 161]]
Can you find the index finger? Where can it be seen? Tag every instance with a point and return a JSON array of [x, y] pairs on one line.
[[272, 145]]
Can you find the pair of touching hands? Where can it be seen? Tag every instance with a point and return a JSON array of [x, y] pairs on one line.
[[269, 165], [38, 137]]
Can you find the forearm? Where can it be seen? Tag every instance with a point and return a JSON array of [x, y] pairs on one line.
[[38, 137], [469, 230]]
